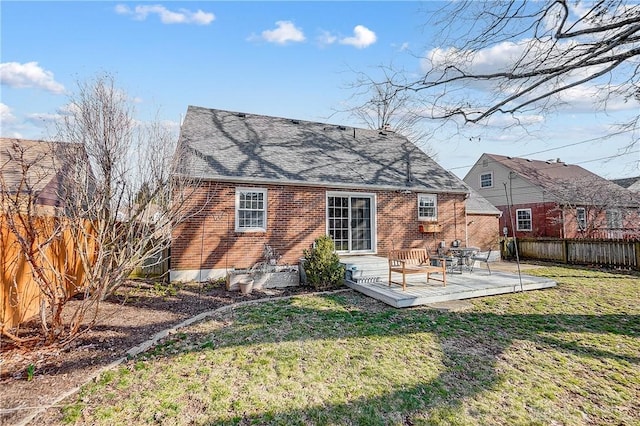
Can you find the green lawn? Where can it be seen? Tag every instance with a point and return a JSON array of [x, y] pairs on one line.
[[568, 355]]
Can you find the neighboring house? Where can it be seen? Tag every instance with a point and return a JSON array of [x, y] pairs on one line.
[[264, 180], [555, 199], [37, 172], [632, 184]]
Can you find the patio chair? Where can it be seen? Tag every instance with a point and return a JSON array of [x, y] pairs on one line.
[[481, 257]]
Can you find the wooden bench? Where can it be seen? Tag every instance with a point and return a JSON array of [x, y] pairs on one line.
[[414, 261]]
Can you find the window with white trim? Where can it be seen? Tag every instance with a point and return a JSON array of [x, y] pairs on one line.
[[427, 207], [486, 180], [523, 219], [581, 217], [251, 209]]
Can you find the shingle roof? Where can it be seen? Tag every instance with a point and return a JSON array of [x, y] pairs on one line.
[[225, 145], [626, 182], [561, 179], [16, 153], [34, 166]]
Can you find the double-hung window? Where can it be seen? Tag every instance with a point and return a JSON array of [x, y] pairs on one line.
[[251, 209], [581, 216], [523, 217], [486, 180], [427, 207]]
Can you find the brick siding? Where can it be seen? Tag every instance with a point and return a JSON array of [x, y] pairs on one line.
[[296, 215]]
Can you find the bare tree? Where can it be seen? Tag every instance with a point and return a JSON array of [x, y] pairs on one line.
[[596, 208], [382, 103], [549, 48], [117, 200], [32, 236]]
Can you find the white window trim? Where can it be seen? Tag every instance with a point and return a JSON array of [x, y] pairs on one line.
[[480, 180], [435, 205], [581, 226], [530, 220], [237, 206], [374, 216]]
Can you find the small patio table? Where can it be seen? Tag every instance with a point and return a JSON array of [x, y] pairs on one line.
[[462, 255]]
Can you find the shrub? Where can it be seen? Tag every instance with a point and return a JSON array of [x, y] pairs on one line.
[[322, 265]]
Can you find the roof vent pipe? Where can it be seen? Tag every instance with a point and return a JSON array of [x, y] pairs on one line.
[[354, 132]]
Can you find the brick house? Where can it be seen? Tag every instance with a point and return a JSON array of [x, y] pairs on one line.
[[259, 180], [555, 199]]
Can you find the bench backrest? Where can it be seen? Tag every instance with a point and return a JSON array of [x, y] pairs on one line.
[[410, 256]]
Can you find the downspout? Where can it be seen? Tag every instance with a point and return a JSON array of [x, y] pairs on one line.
[[455, 220]]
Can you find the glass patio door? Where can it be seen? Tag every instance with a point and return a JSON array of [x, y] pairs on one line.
[[350, 222]]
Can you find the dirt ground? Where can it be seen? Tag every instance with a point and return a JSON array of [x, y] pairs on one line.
[[134, 315]]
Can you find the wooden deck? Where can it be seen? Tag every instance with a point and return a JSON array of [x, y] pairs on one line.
[[369, 276]]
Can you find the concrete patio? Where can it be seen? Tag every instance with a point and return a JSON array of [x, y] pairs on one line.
[[369, 275]]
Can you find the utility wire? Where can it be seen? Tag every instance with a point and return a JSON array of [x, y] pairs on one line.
[[570, 145]]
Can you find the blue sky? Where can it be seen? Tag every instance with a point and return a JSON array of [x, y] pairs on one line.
[[287, 59]]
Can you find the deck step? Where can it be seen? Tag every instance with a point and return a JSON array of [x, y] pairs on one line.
[[366, 269]]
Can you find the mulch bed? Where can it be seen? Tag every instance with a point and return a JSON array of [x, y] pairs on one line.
[[132, 316]]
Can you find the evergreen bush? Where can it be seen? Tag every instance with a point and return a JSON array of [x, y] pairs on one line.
[[322, 265]]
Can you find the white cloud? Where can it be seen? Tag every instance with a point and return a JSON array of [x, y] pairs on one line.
[[362, 37], [30, 74], [285, 32], [326, 38], [181, 16], [6, 116]]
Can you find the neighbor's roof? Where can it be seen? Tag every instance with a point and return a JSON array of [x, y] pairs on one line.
[[33, 166], [559, 179], [632, 183], [231, 146], [20, 155]]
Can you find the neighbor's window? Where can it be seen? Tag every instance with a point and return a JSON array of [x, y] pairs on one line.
[[427, 207], [486, 180], [581, 216], [524, 219], [251, 209], [614, 219]]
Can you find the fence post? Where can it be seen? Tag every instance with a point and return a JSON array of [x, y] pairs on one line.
[[565, 251], [637, 250]]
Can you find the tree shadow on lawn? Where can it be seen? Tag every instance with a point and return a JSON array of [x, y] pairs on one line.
[[471, 345]]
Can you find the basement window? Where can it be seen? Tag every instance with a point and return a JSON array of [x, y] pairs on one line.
[[251, 210]]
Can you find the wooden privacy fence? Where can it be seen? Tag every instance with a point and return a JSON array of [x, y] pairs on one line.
[[20, 295], [155, 265], [615, 253]]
